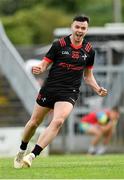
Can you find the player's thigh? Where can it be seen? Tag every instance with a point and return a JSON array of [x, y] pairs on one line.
[[107, 132], [62, 109], [93, 130], [39, 113]]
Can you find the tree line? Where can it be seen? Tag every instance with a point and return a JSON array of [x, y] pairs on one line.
[[33, 21]]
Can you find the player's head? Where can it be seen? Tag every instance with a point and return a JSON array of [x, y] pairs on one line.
[[79, 27], [115, 113], [81, 18]]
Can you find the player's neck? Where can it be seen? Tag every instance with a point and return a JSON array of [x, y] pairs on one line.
[[76, 43]]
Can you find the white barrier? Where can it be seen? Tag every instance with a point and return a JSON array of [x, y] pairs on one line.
[[10, 138]]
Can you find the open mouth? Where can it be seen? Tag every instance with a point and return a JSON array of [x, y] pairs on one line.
[[79, 35]]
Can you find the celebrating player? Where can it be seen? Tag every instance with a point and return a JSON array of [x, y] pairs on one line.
[[100, 124], [71, 57]]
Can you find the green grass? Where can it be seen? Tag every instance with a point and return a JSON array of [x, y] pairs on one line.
[[67, 167]]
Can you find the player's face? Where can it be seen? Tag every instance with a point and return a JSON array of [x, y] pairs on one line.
[[114, 115], [79, 30]]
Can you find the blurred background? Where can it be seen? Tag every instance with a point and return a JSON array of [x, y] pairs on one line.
[[27, 30]]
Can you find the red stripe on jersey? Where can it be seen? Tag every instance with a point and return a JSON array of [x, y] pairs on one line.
[[62, 42], [88, 47], [48, 60]]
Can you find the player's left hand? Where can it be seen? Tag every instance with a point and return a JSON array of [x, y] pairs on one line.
[[102, 92]]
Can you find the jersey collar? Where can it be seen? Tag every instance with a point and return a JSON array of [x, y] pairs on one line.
[[76, 47], [73, 45]]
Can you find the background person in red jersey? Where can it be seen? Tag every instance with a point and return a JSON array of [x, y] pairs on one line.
[[101, 125]]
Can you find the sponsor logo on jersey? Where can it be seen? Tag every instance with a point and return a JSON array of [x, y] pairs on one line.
[[65, 52], [71, 66]]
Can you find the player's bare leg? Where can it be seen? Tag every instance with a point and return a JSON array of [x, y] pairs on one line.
[[106, 139], [37, 117], [61, 112], [94, 130], [29, 130]]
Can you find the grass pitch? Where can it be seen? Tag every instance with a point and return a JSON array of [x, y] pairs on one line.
[[67, 167]]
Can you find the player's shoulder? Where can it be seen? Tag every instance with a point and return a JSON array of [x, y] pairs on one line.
[[62, 42], [88, 47]]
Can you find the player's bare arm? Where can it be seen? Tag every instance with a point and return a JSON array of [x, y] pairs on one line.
[[107, 127], [41, 67], [91, 81]]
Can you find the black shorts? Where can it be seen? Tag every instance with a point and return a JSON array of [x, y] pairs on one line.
[[47, 99]]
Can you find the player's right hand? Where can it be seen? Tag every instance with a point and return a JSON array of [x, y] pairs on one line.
[[36, 70], [102, 92]]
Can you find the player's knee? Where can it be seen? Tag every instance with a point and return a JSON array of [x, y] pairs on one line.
[[58, 122], [33, 123], [99, 133]]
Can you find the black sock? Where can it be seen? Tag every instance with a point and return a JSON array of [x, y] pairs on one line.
[[37, 150], [23, 145]]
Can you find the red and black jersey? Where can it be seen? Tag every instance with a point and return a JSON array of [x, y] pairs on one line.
[[69, 61]]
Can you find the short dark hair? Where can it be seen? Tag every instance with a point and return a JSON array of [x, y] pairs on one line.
[[116, 109], [81, 18]]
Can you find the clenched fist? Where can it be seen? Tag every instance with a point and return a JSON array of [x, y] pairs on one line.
[[36, 70], [102, 92]]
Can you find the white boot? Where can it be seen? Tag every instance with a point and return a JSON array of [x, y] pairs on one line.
[[101, 149], [18, 159], [92, 150], [27, 160]]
